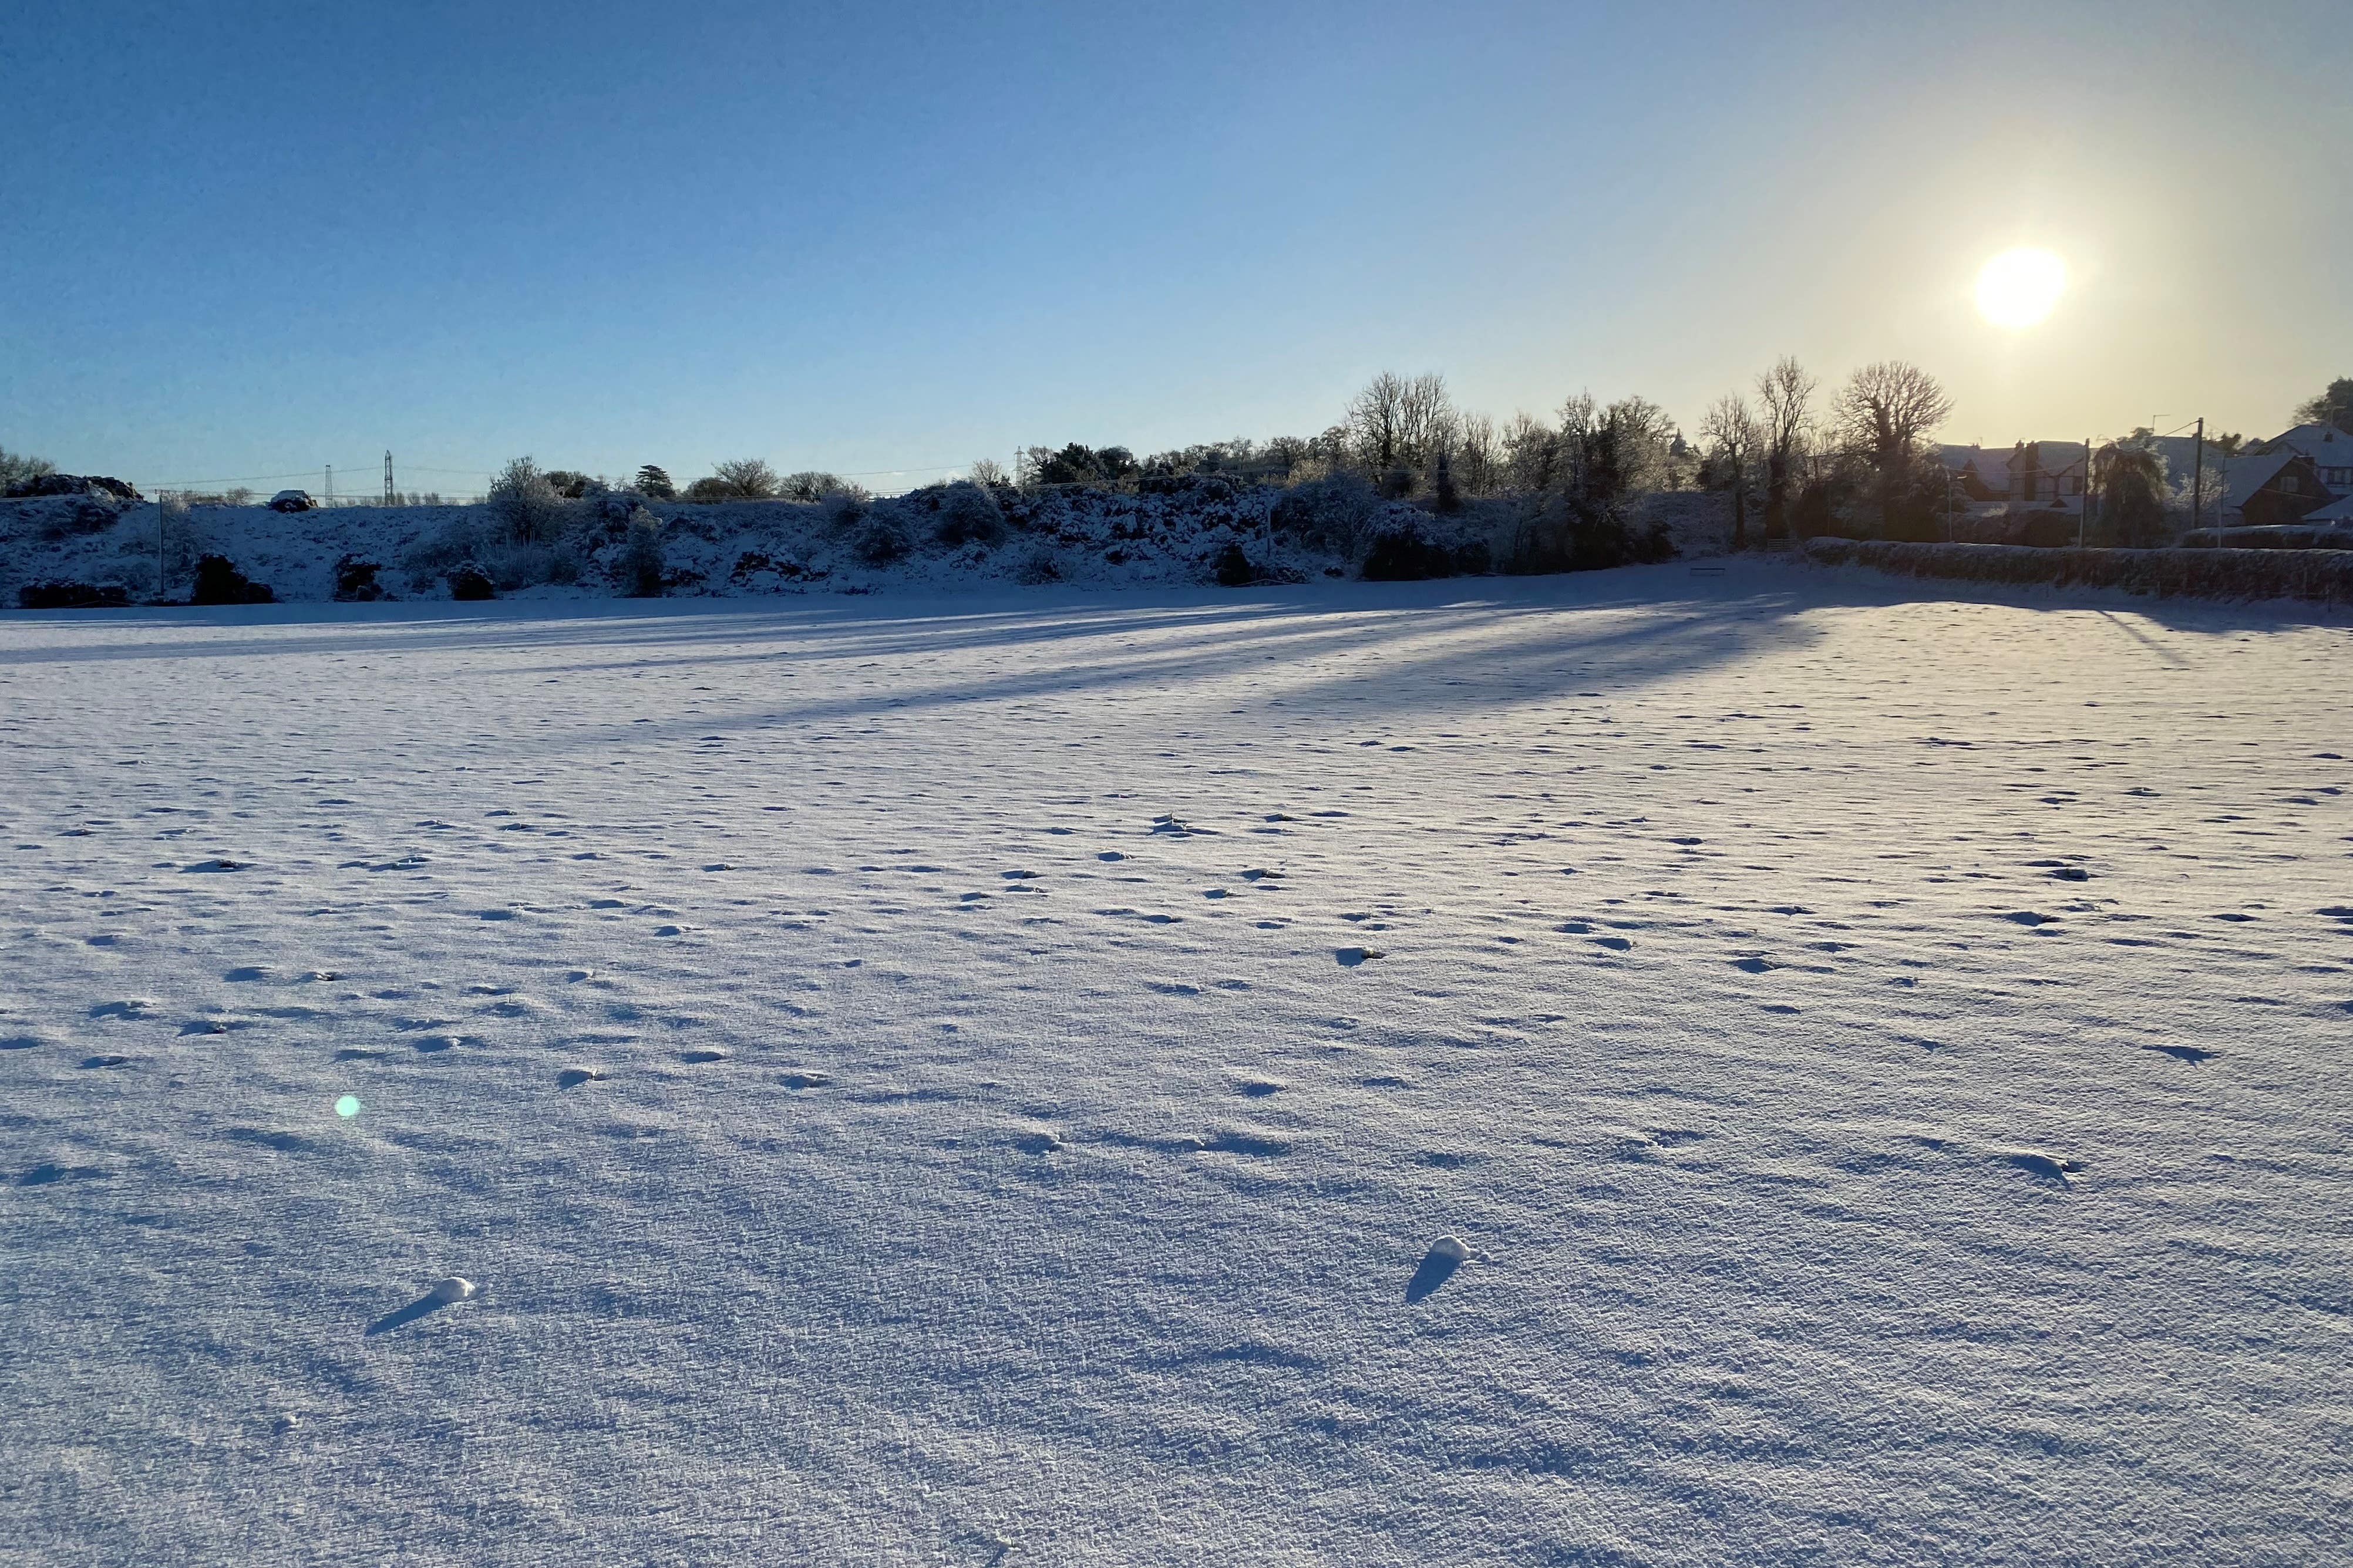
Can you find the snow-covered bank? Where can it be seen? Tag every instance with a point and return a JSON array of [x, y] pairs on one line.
[[978, 1079], [945, 539]]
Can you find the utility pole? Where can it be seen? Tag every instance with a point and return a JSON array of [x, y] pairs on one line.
[[387, 477], [2084, 512], [2198, 479], [330, 484]]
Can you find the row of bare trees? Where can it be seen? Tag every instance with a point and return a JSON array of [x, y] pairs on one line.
[[1880, 419]]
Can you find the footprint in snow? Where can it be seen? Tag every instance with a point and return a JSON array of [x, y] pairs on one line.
[[1040, 1142], [2191, 1054], [1349, 957], [806, 1080], [105, 1061], [2028, 917], [132, 1009], [1446, 1255], [1111, 855], [1260, 874], [1019, 876], [1614, 943], [573, 1077], [703, 1055], [216, 865], [1754, 966]]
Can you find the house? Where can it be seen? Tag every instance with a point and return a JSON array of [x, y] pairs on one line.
[[2278, 486], [2329, 449], [2032, 475]]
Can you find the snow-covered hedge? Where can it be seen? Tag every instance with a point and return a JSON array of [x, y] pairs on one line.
[[2324, 575]]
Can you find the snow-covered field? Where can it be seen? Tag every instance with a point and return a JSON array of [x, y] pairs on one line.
[[1887, 1062]]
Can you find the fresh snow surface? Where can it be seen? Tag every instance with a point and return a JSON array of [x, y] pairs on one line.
[[1633, 1069]]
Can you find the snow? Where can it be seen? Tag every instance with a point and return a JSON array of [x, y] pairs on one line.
[[746, 549], [882, 1119]]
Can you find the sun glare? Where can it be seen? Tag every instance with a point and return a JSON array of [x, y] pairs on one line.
[[2018, 288]]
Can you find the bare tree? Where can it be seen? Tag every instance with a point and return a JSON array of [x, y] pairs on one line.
[[1285, 453], [1786, 392], [1376, 420], [1426, 421], [1733, 439], [988, 471], [1478, 459], [747, 478], [1883, 413], [1885, 409], [1530, 452]]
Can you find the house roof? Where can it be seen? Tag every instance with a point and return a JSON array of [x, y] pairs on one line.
[[2339, 511], [2323, 444], [2248, 475]]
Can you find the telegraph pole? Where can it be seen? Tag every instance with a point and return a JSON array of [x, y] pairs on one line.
[[330, 484], [2084, 512], [387, 477], [2198, 480]]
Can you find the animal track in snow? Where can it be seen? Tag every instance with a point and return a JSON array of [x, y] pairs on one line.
[[1349, 957]]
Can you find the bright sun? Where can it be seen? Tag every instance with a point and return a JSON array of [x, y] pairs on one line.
[[2018, 288]]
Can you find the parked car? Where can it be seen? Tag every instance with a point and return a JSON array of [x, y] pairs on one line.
[[292, 500]]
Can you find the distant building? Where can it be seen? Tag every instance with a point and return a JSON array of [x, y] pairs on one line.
[[2329, 449], [2046, 475], [2278, 486]]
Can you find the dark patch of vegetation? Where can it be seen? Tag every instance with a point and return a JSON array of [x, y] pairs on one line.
[[63, 595], [471, 582], [218, 582], [355, 581]]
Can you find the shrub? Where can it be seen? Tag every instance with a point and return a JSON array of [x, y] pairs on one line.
[[746, 479], [642, 562], [80, 514], [1329, 513], [1038, 567], [355, 580], [1404, 554], [880, 542], [218, 582], [966, 513], [1233, 568], [17, 467], [471, 582], [62, 595], [707, 492], [525, 502], [654, 482]]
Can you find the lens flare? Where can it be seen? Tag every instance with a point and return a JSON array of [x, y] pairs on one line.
[[2018, 288], [348, 1107]]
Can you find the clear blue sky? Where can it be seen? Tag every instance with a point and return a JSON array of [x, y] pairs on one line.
[[251, 239]]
